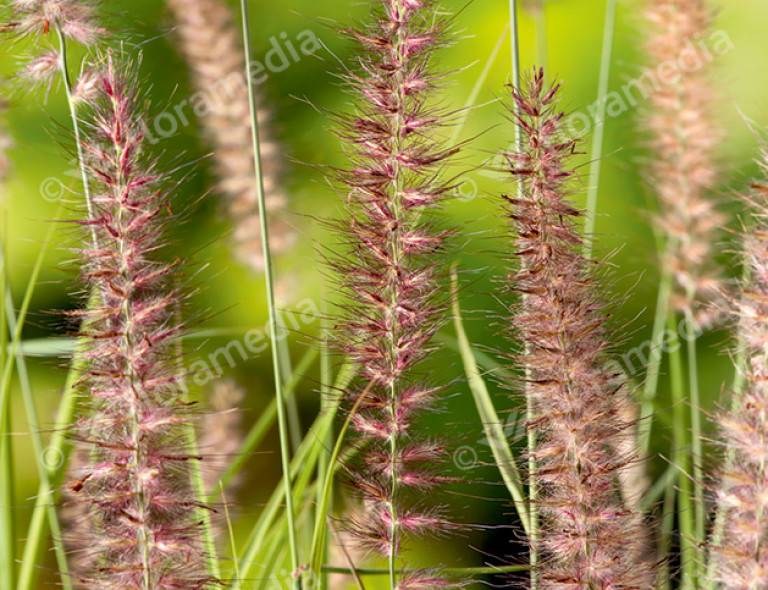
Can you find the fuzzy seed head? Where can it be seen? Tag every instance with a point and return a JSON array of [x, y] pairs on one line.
[[134, 489], [590, 538], [76, 18], [741, 556], [389, 276], [684, 139]]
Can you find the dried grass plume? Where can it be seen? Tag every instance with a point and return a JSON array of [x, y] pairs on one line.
[[210, 43], [590, 537]]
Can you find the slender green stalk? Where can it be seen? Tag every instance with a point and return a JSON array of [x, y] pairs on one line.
[[59, 450], [659, 487], [598, 136], [318, 539], [230, 530], [681, 459], [273, 317], [72, 105], [665, 538], [324, 462], [533, 509], [697, 453], [651, 384], [291, 402], [303, 465], [7, 532]]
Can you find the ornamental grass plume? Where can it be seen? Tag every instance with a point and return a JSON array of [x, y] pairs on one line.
[[684, 138], [143, 529], [590, 538], [75, 18], [211, 46], [740, 555], [390, 274]]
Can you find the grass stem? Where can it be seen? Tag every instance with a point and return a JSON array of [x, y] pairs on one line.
[[598, 136], [681, 460], [533, 511], [697, 452], [273, 314], [651, 383]]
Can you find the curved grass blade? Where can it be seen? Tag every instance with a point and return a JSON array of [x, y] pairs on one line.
[[492, 426]]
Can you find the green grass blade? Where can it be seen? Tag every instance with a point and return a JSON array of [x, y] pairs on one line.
[[302, 467], [317, 552], [697, 451], [681, 457], [273, 313], [7, 532], [230, 530], [494, 431], [599, 131], [651, 384]]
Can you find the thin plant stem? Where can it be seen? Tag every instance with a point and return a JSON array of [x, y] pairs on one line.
[[651, 383], [665, 537], [273, 317], [697, 453], [533, 512], [291, 403], [324, 461], [230, 531], [319, 536], [598, 136], [681, 459], [72, 105], [7, 532]]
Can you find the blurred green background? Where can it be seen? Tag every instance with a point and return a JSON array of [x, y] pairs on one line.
[[228, 296]]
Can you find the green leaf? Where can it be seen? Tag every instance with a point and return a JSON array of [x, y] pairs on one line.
[[492, 426]]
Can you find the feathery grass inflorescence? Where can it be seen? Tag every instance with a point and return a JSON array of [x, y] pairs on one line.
[[589, 536], [684, 138], [740, 553], [390, 275], [209, 41], [75, 18], [142, 513]]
